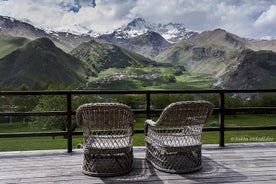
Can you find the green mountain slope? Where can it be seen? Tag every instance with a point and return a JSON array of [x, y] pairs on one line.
[[220, 37], [209, 52], [105, 55], [212, 52], [9, 44], [40, 60], [254, 70]]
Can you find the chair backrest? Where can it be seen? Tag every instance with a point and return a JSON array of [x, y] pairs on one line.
[[186, 113], [113, 117]]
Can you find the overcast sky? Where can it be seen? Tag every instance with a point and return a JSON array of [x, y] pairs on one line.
[[246, 18]]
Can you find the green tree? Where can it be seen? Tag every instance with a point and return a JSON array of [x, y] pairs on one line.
[[160, 101], [132, 100], [51, 103], [59, 103], [171, 78], [268, 100], [233, 101]]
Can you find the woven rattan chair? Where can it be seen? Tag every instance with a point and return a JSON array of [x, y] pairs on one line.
[[174, 141], [107, 131]]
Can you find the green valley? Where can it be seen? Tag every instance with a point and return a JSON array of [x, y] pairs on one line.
[[149, 78]]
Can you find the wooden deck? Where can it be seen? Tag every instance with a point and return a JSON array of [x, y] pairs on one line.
[[235, 163]]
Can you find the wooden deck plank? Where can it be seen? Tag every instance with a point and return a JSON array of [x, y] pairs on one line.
[[235, 163]]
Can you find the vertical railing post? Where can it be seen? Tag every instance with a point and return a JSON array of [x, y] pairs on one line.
[[69, 123], [221, 118], [148, 106]]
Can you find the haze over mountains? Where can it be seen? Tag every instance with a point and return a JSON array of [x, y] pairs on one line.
[[228, 58]]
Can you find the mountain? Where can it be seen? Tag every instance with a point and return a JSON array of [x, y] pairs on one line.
[[219, 37], [41, 61], [254, 70], [217, 53], [147, 38], [149, 44], [201, 54], [212, 52], [126, 36], [228, 58], [9, 44], [172, 32], [224, 38], [106, 55], [64, 40]]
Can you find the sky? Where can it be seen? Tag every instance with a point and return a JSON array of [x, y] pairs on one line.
[[246, 18]]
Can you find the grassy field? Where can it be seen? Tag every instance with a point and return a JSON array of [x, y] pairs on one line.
[[59, 142]]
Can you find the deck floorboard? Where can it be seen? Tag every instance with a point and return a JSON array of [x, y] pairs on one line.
[[234, 163]]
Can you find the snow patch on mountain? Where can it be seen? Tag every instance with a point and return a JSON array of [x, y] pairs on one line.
[[172, 32]]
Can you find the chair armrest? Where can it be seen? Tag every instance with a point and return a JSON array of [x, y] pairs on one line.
[[148, 123], [79, 118]]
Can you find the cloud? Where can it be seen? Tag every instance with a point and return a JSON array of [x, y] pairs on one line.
[[237, 16], [247, 18], [74, 7], [266, 21]]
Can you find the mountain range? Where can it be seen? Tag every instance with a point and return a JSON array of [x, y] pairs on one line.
[[64, 40], [138, 44], [147, 38], [41, 61], [106, 55], [172, 32], [212, 52]]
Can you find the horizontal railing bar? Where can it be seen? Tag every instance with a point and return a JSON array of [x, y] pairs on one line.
[[249, 108], [32, 134], [84, 92], [269, 127], [210, 129], [46, 113], [136, 111]]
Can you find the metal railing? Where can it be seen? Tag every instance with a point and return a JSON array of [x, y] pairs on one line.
[[221, 110]]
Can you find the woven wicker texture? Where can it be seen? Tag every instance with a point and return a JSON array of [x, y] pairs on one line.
[[174, 141], [107, 132]]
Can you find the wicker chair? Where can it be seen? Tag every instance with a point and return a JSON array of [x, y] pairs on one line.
[[174, 141], [107, 131]]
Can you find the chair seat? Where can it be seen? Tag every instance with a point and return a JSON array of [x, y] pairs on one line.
[[106, 143], [174, 141]]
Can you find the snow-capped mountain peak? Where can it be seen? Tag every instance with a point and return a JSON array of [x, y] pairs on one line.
[[134, 28], [138, 23], [172, 32]]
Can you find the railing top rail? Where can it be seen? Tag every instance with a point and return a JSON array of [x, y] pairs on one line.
[[64, 92]]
